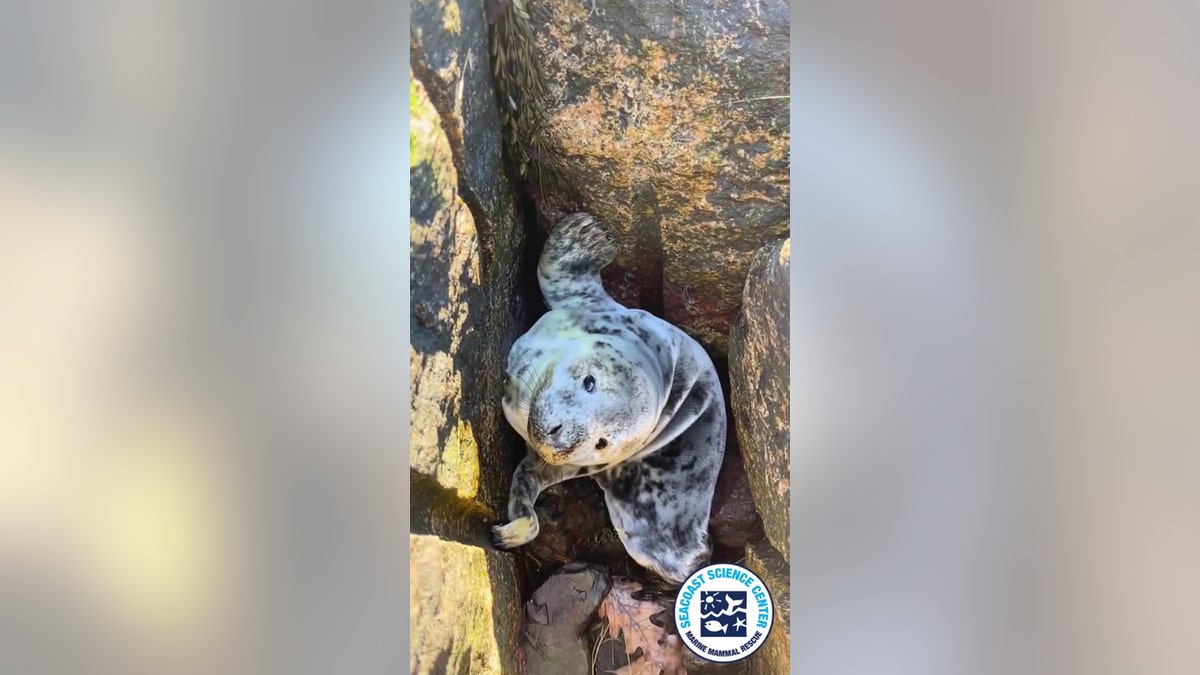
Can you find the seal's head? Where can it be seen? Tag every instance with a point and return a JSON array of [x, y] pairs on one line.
[[594, 403]]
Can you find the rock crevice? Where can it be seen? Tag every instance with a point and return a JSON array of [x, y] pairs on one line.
[[663, 120]]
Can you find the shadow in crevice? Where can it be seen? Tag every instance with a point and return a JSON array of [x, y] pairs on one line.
[[443, 514]]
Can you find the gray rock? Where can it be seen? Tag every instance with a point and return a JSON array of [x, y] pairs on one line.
[[467, 262], [669, 121], [760, 386], [557, 617], [467, 259], [464, 608]]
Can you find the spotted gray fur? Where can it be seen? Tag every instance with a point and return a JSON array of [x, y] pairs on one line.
[[598, 389]]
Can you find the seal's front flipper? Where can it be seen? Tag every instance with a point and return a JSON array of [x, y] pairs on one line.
[[569, 270], [529, 480], [515, 533]]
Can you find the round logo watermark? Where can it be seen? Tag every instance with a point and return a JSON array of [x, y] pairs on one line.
[[724, 613]]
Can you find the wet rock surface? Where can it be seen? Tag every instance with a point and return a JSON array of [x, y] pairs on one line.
[[760, 388], [669, 122]]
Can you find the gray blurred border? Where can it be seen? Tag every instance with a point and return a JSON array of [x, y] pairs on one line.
[[406, 413]]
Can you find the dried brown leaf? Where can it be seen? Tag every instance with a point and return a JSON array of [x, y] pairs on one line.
[[629, 618]]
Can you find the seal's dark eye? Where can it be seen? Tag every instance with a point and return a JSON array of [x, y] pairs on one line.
[[589, 383], [602, 444]]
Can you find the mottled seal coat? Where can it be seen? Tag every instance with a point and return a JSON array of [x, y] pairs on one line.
[[597, 389]]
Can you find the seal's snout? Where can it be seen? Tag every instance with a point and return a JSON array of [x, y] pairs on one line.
[[546, 433]]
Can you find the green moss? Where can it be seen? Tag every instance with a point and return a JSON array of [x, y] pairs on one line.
[[427, 141], [460, 461], [455, 616], [417, 119]]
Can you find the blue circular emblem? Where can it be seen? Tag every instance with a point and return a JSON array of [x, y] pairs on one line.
[[724, 613]]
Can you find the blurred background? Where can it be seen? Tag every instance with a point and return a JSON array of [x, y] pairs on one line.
[[995, 338], [202, 264]]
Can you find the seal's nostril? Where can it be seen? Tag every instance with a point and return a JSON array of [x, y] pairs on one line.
[[555, 430]]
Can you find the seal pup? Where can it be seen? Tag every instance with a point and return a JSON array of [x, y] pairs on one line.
[[598, 389]]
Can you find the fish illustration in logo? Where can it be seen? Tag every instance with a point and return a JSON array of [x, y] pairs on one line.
[[714, 625]]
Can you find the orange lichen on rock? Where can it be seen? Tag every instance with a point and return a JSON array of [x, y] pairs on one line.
[[661, 130]]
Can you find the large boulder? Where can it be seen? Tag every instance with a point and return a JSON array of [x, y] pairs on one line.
[[467, 269], [467, 265], [464, 608], [760, 387], [669, 121]]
